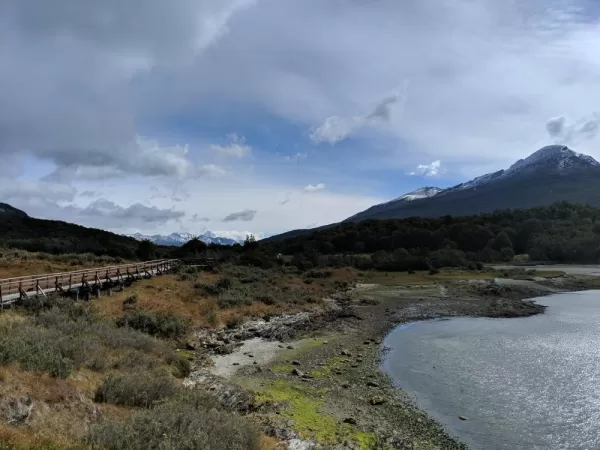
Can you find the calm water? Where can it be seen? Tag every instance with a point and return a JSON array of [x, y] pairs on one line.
[[527, 383]]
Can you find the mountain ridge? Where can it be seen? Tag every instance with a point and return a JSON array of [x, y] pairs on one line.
[[179, 239], [552, 174]]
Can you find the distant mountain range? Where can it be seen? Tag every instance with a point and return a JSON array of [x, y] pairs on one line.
[[178, 239], [552, 174]]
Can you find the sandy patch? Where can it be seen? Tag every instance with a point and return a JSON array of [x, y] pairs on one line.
[[256, 350]]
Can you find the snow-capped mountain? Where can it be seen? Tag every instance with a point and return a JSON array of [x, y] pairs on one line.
[[552, 157], [178, 239], [552, 174], [424, 192]]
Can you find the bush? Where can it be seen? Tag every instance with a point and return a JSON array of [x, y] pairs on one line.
[[142, 389], [163, 325], [181, 366], [190, 420], [433, 271], [130, 302]]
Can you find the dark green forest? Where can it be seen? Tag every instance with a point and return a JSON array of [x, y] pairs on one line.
[[562, 232]]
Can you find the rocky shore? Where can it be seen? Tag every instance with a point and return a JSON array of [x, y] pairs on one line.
[[313, 379]]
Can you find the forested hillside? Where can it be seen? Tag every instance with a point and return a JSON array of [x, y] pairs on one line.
[[561, 232]]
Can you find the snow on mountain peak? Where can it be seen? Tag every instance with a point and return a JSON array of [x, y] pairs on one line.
[[178, 239], [554, 156], [424, 192]]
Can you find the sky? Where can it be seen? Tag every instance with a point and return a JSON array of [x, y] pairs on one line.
[[262, 116]]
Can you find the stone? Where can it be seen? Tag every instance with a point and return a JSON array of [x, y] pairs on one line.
[[298, 373], [345, 386], [350, 420], [296, 363], [463, 418], [325, 342], [372, 384], [16, 410], [346, 353], [377, 400], [290, 347]]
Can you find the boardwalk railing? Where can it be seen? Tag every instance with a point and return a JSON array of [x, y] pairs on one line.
[[12, 289]]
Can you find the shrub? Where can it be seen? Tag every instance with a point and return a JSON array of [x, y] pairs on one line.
[[190, 420], [163, 325], [319, 273], [141, 389], [433, 271], [130, 302], [181, 366]]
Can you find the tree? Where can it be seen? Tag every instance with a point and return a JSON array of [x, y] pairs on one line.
[[146, 250], [250, 242]]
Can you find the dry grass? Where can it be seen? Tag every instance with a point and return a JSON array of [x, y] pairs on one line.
[[180, 296], [15, 263]]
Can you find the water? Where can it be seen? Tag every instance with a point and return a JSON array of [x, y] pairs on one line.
[[526, 383]]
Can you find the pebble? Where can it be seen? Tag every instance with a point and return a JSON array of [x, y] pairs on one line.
[[463, 418]]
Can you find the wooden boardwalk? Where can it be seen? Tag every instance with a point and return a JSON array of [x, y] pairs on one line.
[[88, 280]]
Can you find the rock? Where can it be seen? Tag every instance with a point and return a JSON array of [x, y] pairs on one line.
[[236, 363], [346, 353], [190, 346], [345, 386], [281, 346], [463, 418], [377, 400], [290, 347], [325, 342], [354, 366], [296, 363], [350, 420], [298, 373], [372, 384], [367, 342], [16, 410], [250, 355]]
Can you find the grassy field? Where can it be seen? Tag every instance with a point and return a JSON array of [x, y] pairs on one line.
[[108, 373]]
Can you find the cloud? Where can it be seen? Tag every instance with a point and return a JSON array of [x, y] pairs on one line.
[[137, 212], [299, 156], [246, 215], [88, 194], [197, 218], [429, 170], [335, 129], [286, 200], [76, 76], [563, 132], [237, 148], [314, 188]]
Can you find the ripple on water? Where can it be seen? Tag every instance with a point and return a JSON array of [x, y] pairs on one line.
[[527, 383]]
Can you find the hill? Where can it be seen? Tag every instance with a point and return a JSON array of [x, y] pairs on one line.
[[561, 232], [18, 230]]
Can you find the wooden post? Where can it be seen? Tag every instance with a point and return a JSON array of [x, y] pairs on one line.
[[70, 280]]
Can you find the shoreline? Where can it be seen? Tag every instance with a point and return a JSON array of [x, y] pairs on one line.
[[322, 380]]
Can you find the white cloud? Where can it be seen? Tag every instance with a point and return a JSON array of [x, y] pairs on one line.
[[314, 188], [237, 148], [429, 170], [335, 128]]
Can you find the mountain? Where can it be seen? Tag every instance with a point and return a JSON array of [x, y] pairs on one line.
[[552, 174], [7, 210], [18, 230], [178, 239]]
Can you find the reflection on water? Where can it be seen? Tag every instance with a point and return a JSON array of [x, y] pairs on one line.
[[527, 383]]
